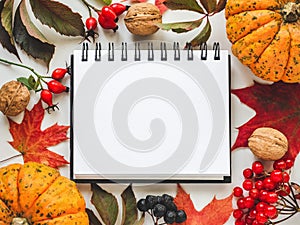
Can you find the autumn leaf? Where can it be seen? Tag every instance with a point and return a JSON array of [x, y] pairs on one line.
[[93, 220], [209, 5], [191, 5], [58, 16], [6, 27], [220, 6], [105, 203], [181, 27], [129, 213], [32, 142], [30, 39], [217, 212], [203, 36], [276, 106]]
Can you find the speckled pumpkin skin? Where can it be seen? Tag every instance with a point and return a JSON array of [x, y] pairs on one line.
[[263, 39], [41, 195]]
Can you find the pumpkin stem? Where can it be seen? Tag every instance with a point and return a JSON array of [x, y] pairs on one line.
[[19, 221], [291, 12]]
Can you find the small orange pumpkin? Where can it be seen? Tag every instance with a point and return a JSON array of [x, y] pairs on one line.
[[36, 194], [265, 36]]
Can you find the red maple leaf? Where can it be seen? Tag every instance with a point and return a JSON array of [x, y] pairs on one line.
[[276, 106], [32, 142], [217, 212]]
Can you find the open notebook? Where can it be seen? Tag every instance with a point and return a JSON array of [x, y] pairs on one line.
[[146, 115]]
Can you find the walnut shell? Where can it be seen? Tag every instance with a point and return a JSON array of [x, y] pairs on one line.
[[14, 97], [268, 143], [141, 19]]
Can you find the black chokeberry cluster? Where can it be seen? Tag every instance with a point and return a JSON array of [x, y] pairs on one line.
[[161, 207]]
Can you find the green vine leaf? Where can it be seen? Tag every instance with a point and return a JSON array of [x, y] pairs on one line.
[[58, 16], [220, 6], [6, 27], [181, 27], [106, 204], [34, 45], [93, 220], [191, 5], [129, 207], [203, 36], [209, 5]]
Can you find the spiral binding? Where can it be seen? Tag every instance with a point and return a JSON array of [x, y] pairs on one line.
[[163, 50]]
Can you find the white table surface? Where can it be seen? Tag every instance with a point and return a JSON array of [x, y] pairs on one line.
[[201, 194]]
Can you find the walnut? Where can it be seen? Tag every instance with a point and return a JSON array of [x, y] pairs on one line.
[[14, 97], [141, 19], [268, 143]]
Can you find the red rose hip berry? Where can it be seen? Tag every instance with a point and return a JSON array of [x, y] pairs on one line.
[[118, 8], [91, 23], [56, 87], [46, 97], [59, 73]]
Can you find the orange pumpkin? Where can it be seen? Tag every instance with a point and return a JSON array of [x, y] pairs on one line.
[[38, 195], [265, 36]]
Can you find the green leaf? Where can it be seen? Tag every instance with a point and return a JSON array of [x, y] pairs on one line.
[[220, 6], [7, 15], [209, 5], [58, 16], [129, 207], [141, 221], [35, 46], [93, 220], [6, 27], [32, 82], [25, 81], [106, 204], [181, 27], [106, 2], [191, 5], [203, 36]]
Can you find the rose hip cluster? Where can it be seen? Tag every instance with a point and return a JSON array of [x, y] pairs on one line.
[[107, 18], [261, 193], [54, 87]]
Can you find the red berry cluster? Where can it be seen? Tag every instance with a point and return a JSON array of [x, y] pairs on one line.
[[54, 87], [263, 194], [107, 18]]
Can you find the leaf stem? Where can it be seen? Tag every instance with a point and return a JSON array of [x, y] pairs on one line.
[[12, 157], [89, 6], [20, 65], [286, 200], [40, 77], [284, 219], [151, 216], [293, 195], [24, 66], [285, 205]]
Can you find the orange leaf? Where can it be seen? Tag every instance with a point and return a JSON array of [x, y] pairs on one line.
[[32, 142], [217, 212]]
